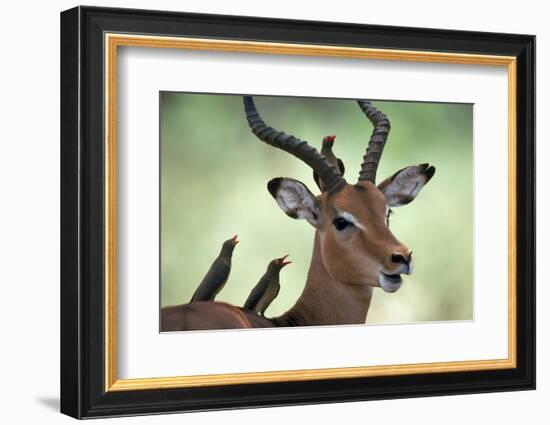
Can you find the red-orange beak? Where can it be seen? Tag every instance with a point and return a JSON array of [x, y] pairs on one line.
[[235, 240], [282, 261]]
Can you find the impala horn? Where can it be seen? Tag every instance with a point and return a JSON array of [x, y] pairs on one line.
[[330, 175], [377, 141]]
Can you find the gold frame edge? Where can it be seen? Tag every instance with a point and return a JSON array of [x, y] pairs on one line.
[[113, 41]]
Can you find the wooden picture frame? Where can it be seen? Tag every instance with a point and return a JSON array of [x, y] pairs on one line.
[[90, 38]]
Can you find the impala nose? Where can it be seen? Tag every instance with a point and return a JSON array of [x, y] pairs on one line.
[[402, 259]]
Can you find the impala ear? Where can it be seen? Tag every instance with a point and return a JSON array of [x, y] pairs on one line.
[[295, 199], [401, 188]]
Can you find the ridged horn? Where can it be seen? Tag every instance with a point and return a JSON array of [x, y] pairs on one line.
[[299, 148], [377, 140]]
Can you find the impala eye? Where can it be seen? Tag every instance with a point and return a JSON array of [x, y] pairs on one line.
[[341, 223]]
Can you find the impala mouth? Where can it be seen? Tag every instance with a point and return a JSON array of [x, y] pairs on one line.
[[390, 282]]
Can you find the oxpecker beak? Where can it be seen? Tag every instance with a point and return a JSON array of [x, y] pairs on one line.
[[282, 261], [235, 240], [329, 140]]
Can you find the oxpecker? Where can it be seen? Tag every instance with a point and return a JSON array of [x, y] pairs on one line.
[[218, 273], [267, 289], [326, 151]]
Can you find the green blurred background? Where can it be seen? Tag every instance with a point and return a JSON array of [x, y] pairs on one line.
[[213, 185]]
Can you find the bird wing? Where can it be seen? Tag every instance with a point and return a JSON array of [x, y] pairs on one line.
[[317, 181], [255, 295], [341, 166], [212, 282], [218, 274], [271, 293]]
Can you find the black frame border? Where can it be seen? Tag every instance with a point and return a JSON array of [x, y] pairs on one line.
[[82, 206]]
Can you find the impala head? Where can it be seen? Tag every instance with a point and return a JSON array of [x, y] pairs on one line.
[[357, 245]]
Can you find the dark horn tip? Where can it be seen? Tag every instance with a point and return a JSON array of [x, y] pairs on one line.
[[429, 172], [248, 103], [273, 185]]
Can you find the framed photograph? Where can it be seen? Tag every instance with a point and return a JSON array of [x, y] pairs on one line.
[[261, 212]]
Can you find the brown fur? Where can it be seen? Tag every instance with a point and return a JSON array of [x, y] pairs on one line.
[[355, 257], [201, 315], [325, 300], [344, 267]]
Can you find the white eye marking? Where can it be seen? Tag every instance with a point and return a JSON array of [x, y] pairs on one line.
[[351, 218]]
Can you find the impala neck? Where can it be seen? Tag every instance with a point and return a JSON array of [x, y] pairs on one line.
[[326, 301]]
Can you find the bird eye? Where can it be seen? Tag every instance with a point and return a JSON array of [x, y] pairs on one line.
[[341, 223]]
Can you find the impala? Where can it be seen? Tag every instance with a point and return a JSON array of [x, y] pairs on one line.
[[354, 250]]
